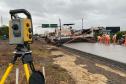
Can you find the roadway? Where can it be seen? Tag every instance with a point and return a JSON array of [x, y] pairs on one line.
[[112, 52]]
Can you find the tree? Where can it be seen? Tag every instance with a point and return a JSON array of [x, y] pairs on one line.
[[4, 30], [120, 34]]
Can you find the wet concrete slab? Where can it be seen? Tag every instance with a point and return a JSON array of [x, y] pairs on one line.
[[112, 52]]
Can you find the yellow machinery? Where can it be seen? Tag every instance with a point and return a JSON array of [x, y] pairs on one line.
[[20, 33]]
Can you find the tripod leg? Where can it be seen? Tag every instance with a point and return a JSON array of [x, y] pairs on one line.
[[27, 74], [8, 70]]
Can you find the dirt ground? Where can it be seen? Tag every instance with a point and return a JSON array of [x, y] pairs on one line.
[[43, 55], [61, 67]]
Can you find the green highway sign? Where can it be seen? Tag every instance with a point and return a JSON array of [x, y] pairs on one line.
[[45, 25], [53, 25], [49, 25]]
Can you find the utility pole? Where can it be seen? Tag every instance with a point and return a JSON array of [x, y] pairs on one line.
[[60, 29], [82, 24], [1, 21], [60, 23], [82, 27]]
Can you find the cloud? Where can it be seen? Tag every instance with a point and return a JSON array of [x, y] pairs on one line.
[[94, 12]]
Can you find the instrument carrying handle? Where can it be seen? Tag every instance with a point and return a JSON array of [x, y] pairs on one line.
[[16, 11]]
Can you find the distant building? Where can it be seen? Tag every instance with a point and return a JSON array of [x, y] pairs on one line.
[[113, 30], [101, 30], [104, 31], [64, 32], [107, 30]]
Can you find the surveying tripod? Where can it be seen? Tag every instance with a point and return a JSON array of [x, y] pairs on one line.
[[23, 52]]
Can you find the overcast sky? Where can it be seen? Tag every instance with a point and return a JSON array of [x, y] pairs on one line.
[[94, 12]]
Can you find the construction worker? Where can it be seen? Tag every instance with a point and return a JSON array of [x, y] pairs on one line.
[[114, 38], [99, 39], [107, 39], [125, 40], [103, 38]]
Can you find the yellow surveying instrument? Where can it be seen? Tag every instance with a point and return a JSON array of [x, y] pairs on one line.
[[21, 29], [20, 33]]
